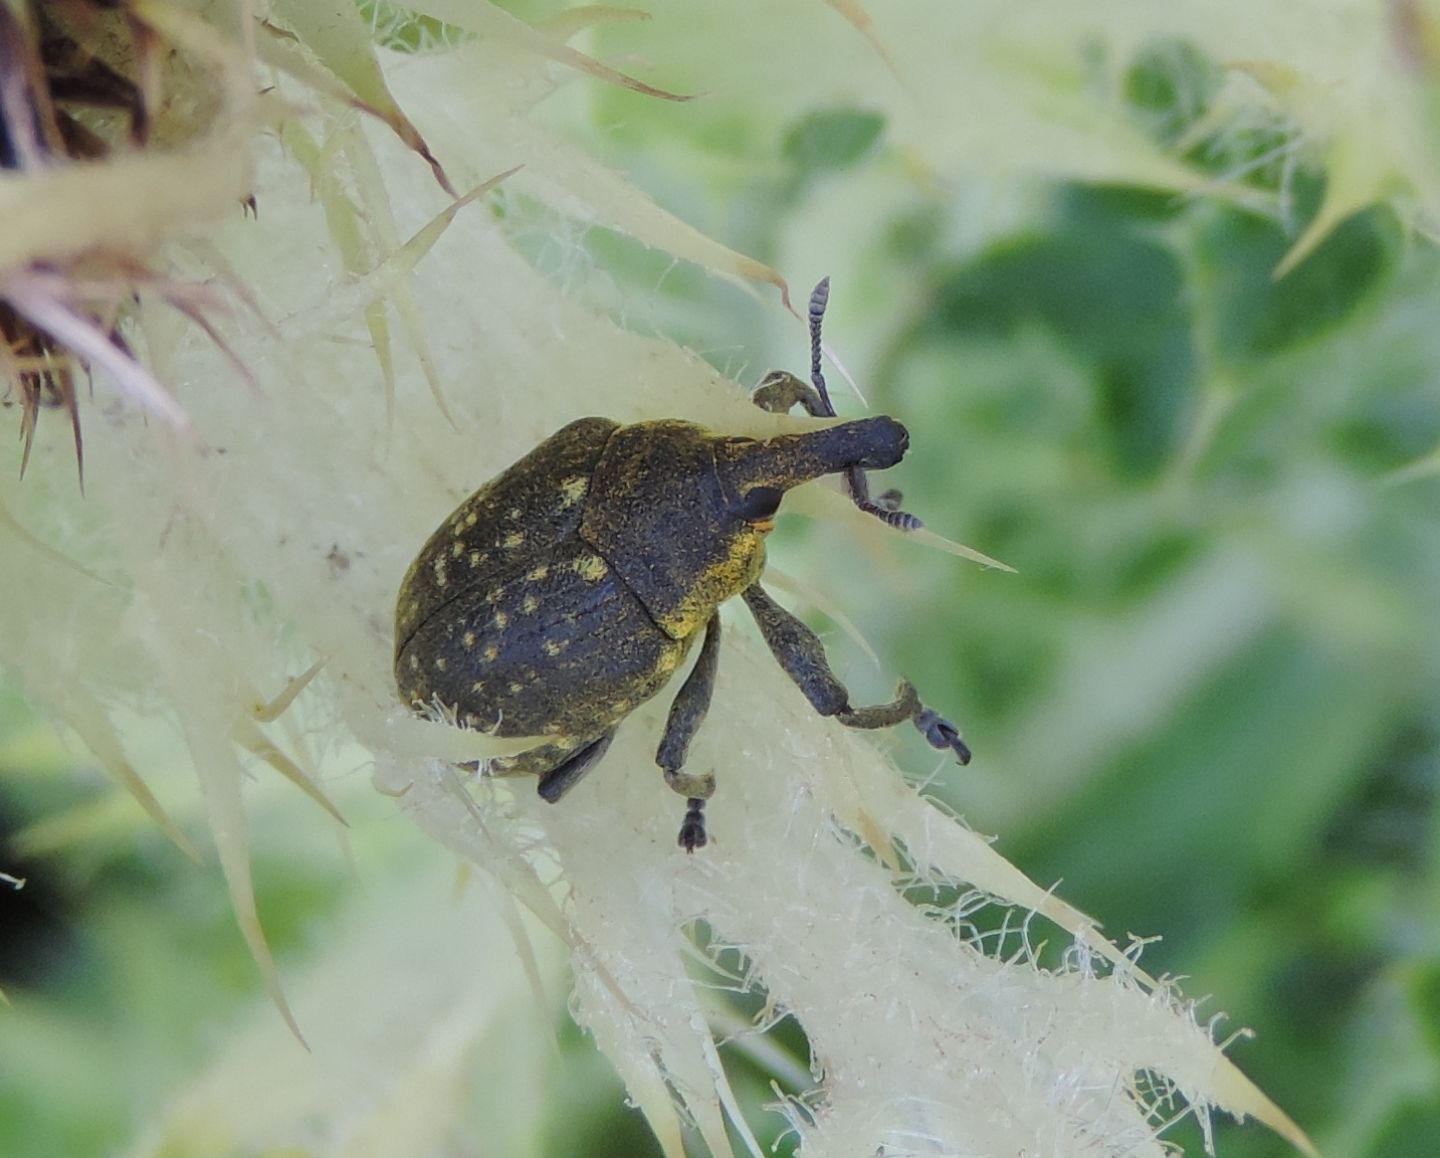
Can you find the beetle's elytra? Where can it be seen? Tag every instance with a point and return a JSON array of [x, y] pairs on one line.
[[567, 591]]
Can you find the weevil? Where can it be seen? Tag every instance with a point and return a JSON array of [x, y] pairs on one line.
[[568, 590]]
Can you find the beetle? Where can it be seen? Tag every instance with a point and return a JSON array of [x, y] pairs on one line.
[[568, 590]]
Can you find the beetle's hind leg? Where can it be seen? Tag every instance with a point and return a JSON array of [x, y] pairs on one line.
[[687, 712], [559, 766], [800, 652]]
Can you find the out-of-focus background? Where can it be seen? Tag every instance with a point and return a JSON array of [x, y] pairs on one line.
[[1207, 705]]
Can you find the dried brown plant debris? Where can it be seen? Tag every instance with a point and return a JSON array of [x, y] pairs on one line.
[[82, 83]]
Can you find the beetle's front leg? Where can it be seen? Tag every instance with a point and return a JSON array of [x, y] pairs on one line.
[[800, 652], [687, 712], [558, 765], [780, 390]]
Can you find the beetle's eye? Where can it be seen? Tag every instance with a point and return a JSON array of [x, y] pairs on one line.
[[759, 503]]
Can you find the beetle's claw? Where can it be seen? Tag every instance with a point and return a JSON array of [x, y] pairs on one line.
[[941, 733], [692, 828]]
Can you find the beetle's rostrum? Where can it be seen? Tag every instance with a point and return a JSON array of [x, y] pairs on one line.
[[565, 593]]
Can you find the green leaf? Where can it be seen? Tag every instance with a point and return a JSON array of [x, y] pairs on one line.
[[832, 139]]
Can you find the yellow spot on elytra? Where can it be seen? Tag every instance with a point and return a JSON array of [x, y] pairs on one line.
[[469, 639], [538, 573], [513, 540], [414, 662], [478, 687], [472, 518], [514, 513], [516, 688], [529, 604], [590, 567], [457, 548], [440, 577], [476, 558], [501, 619], [620, 706], [489, 652], [555, 646], [441, 663], [573, 489]]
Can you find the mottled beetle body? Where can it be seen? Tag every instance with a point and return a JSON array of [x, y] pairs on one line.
[[567, 591], [514, 621]]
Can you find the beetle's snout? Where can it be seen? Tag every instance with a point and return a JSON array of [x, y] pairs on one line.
[[791, 459], [888, 441]]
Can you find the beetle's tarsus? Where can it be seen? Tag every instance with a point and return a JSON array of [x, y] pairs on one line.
[[941, 733], [692, 828], [904, 707], [696, 787], [780, 391]]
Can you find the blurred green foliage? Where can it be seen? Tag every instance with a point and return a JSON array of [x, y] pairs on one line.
[[1174, 412], [1123, 401]]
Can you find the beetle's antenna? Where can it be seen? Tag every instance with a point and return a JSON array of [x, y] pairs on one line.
[[887, 507], [819, 298]]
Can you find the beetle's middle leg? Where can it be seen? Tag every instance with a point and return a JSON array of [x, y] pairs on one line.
[[559, 766], [802, 655], [687, 712]]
